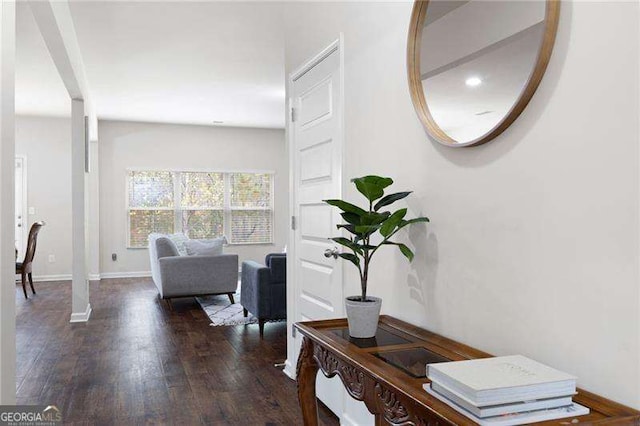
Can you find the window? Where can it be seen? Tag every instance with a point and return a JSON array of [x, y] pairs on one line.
[[200, 204], [151, 198], [250, 207]]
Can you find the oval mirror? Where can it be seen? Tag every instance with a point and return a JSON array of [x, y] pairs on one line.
[[474, 65]]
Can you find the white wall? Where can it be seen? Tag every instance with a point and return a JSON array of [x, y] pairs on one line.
[[126, 145], [46, 144], [533, 245]]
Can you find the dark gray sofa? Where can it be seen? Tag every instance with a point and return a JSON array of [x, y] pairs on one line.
[[263, 289]]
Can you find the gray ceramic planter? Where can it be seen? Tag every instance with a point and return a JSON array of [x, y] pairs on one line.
[[363, 316]]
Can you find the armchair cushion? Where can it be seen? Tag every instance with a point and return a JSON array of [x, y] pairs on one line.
[[179, 239], [204, 247]]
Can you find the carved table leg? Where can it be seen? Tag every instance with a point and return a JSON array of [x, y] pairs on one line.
[[306, 372]]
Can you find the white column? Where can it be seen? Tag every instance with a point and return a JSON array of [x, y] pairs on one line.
[[81, 309], [7, 195]]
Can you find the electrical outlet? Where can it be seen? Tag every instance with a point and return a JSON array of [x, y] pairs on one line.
[[114, 257], [52, 258]]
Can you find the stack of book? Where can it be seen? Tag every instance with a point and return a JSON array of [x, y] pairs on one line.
[[509, 390]]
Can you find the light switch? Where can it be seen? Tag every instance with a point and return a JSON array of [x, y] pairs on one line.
[[32, 210]]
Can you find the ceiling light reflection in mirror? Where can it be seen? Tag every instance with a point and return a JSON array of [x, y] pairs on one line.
[[476, 58]]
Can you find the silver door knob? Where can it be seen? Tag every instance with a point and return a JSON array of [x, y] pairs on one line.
[[331, 253]]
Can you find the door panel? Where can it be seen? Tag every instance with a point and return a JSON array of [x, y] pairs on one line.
[[316, 221], [315, 162], [315, 104]]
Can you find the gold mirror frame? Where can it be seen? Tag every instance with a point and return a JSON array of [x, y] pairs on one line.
[[552, 15]]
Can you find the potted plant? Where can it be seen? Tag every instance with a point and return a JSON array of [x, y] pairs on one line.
[[366, 226]]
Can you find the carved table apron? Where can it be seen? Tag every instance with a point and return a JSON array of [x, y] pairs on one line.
[[387, 374]]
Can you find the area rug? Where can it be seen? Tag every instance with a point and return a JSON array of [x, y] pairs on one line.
[[222, 312]]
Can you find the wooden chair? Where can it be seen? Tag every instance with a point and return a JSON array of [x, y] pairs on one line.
[[24, 268]]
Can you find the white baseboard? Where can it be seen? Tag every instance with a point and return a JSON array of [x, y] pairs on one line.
[[289, 370], [136, 274], [58, 277], [91, 277], [81, 316]]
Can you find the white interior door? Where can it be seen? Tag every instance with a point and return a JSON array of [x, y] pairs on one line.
[[21, 198], [316, 145]]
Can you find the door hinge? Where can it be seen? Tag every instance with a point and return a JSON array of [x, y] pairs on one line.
[[293, 223], [293, 115], [293, 331]]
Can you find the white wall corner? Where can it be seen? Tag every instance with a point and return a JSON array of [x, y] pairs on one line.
[[81, 316]]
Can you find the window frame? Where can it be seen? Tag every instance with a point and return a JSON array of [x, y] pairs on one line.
[[226, 207]]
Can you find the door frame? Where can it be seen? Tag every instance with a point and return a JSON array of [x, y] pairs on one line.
[[25, 201], [292, 282]]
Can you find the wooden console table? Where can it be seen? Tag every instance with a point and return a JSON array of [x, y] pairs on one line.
[[387, 373]]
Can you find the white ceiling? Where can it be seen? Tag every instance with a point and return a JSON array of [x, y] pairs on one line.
[[39, 88], [171, 62]]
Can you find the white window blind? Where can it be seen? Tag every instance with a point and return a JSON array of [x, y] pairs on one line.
[[200, 204], [251, 211], [151, 205]]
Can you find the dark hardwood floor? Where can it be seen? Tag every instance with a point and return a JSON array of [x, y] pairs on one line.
[[137, 362]]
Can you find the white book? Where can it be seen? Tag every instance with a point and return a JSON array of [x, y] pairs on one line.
[[502, 380], [498, 410], [528, 417]]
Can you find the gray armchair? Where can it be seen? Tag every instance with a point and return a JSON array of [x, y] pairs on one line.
[[263, 289], [183, 276]]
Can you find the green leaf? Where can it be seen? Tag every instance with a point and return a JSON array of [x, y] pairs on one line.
[[373, 218], [364, 230], [352, 218], [390, 224], [347, 243], [380, 181], [406, 251], [415, 220], [346, 207], [351, 258], [372, 187], [372, 192], [349, 228], [403, 248], [390, 199]]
